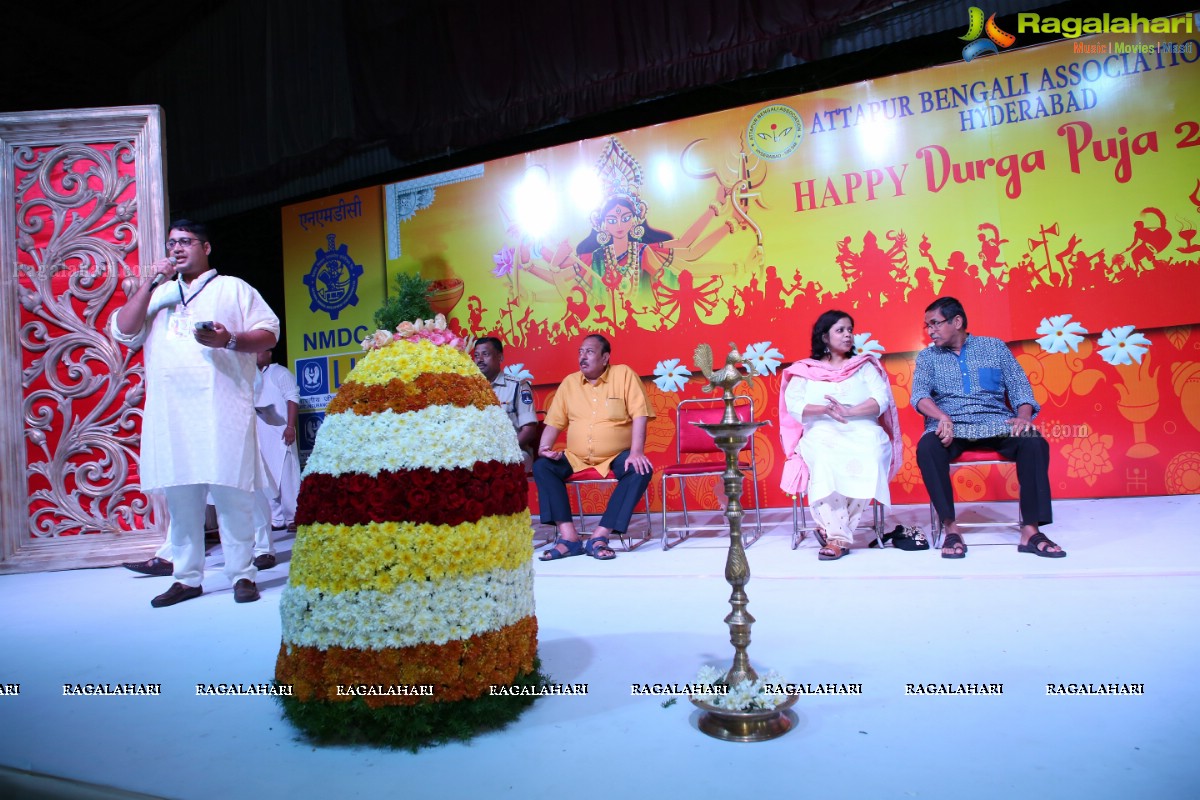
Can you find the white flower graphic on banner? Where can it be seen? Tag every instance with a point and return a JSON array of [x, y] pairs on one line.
[[670, 376], [518, 372], [1122, 345], [1059, 334], [863, 343], [763, 358]]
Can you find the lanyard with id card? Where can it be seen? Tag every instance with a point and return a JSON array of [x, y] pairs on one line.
[[179, 324]]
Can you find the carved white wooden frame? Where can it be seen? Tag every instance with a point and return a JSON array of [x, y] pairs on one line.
[[75, 213]]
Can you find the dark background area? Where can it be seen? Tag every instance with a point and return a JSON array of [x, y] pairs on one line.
[[272, 102]]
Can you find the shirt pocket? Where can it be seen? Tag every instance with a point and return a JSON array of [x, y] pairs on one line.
[[990, 379], [616, 409]]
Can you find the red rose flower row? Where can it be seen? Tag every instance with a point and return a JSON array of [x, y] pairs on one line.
[[439, 497]]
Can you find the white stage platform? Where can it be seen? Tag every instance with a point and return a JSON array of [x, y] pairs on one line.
[[1121, 608]]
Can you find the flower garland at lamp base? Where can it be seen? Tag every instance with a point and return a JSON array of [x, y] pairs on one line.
[[763, 694], [748, 711], [408, 618]]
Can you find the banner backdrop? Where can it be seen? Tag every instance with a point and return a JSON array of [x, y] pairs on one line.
[[334, 284], [1055, 191]]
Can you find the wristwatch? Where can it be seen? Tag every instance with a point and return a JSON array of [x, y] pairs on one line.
[[232, 343]]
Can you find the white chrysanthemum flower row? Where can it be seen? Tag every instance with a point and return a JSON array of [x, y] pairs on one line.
[[436, 437], [416, 612]]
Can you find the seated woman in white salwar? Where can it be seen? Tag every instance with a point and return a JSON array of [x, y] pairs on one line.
[[839, 427]]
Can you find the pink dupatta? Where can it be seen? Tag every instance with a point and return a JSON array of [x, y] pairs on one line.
[[795, 471]]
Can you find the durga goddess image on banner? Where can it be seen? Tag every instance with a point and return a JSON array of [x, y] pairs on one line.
[[624, 273]]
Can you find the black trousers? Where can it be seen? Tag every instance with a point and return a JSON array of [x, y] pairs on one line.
[[1032, 457], [554, 505]]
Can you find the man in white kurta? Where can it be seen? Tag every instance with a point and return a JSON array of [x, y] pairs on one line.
[[277, 398], [198, 429]]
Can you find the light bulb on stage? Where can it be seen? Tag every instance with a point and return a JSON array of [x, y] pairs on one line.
[[536, 203], [585, 190]]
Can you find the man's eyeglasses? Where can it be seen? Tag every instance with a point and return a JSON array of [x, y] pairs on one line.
[[935, 323], [183, 241]]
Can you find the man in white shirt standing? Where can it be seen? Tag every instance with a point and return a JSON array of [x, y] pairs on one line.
[[199, 332], [275, 389]]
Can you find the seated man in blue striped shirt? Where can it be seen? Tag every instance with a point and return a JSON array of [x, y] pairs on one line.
[[975, 396]]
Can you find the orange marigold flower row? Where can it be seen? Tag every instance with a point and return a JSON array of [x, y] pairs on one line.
[[458, 670], [429, 389]]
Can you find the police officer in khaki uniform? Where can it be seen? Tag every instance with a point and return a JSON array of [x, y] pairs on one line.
[[515, 396]]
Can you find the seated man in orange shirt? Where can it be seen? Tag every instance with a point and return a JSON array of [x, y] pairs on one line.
[[604, 410]]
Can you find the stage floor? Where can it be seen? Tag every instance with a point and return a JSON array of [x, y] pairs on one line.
[[1121, 608]]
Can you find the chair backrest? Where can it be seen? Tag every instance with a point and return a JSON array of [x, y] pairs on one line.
[[691, 439]]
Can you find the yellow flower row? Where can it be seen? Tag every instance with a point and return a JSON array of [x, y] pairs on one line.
[[381, 555], [408, 360]]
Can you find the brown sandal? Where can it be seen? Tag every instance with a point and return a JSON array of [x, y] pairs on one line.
[[833, 550]]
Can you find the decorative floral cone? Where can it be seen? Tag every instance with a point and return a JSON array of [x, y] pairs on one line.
[[412, 565]]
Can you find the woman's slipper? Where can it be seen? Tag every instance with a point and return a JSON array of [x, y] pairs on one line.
[[574, 548], [1034, 545], [597, 547], [912, 538], [887, 537], [953, 541]]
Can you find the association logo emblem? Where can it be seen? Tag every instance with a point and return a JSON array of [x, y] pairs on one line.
[[775, 132], [333, 280], [976, 27]]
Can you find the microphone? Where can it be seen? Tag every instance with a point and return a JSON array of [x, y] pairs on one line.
[[161, 277]]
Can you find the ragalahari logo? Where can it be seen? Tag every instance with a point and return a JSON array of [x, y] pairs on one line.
[[976, 27]]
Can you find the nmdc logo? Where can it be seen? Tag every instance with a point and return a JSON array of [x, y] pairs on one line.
[[976, 27], [333, 280]]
